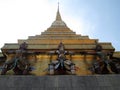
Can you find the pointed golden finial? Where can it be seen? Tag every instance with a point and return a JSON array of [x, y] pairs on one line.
[[58, 17], [58, 5]]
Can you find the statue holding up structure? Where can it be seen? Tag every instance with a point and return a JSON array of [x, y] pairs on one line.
[[61, 65], [106, 64], [102, 65], [19, 63]]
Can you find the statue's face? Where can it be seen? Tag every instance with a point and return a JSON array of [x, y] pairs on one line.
[[98, 48]]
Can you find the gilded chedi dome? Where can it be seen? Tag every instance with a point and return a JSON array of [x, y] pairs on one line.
[[58, 22]]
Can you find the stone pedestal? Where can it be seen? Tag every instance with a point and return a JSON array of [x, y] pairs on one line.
[[60, 82]]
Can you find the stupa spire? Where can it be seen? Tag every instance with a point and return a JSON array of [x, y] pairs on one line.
[[58, 21], [58, 16]]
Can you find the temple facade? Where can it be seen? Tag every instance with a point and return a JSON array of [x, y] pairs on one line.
[[39, 47]]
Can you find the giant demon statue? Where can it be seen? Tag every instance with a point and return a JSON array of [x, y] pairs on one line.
[[104, 64], [19, 63], [61, 65]]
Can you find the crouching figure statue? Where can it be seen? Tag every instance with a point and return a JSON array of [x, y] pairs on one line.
[[19, 63], [61, 65]]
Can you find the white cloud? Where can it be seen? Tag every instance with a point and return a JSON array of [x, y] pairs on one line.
[[22, 18]]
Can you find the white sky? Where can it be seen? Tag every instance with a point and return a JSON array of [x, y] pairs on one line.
[[22, 18]]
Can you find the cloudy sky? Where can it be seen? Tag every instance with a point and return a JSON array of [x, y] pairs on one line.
[[99, 19]]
